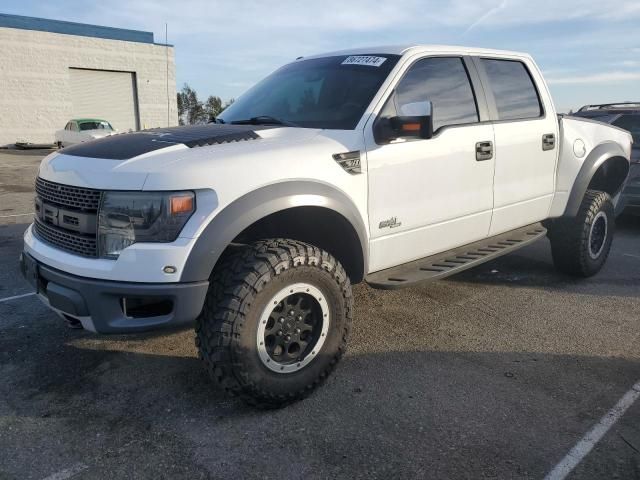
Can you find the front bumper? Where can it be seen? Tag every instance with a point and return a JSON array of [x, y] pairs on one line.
[[630, 197], [105, 306]]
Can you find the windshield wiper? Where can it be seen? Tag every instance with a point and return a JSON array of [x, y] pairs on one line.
[[263, 120]]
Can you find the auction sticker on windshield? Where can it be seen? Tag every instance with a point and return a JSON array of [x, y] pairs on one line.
[[369, 60]]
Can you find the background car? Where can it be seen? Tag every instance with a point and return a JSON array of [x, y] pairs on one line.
[[81, 130], [624, 115]]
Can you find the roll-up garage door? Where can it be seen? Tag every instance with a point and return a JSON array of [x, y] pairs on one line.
[[105, 95]]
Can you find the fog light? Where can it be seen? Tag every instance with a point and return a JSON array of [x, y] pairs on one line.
[[169, 269]]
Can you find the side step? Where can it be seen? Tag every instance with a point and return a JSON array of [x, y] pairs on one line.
[[454, 261]]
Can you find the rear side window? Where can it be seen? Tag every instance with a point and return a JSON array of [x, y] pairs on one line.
[[630, 123], [600, 118], [513, 89], [444, 82]]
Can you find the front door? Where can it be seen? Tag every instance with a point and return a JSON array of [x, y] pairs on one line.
[[428, 196]]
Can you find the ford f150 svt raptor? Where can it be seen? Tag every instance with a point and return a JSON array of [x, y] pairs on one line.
[[387, 165]]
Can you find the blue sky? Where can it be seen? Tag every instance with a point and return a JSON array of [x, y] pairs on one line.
[[588, 50]]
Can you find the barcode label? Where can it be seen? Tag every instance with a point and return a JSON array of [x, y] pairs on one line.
[[364, 60]]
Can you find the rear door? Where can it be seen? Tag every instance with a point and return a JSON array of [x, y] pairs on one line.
[[526, 138]]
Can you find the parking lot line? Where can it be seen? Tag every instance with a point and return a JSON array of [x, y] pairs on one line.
[[584, 446], [15, 297]]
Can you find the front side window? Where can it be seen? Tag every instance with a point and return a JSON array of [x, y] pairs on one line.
[[513, 89], [631, 123], [328, 92], [442, 81]]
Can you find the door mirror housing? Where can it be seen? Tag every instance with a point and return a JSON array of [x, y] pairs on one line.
[[415, 121]]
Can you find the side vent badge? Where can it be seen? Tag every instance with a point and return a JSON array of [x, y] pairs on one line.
[[350, 161]]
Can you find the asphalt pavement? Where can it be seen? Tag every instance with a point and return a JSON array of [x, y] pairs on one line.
[[497, 372]]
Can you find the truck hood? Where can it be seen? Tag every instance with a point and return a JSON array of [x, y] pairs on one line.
[[173, 158]]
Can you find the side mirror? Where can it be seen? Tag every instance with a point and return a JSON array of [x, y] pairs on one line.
[[415, 121]]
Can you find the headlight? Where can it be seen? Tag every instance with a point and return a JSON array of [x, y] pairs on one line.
[[129, 217]]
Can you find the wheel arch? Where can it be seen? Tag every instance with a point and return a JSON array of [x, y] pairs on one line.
[[606, 168], [313, 212]]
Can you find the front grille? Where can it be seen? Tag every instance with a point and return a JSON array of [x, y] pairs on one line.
[[68, 196], [84, 245], [58, 206]]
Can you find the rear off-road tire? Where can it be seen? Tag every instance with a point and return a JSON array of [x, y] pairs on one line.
[[580, 245], [275, 322]]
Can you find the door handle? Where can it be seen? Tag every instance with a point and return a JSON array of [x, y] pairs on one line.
[[484, 151], [548, 141]]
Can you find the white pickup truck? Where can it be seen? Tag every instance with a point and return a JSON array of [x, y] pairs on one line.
[[390, 165]]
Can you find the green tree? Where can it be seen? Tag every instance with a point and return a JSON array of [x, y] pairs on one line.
[[192, 111], [182, 108], [213, 107]]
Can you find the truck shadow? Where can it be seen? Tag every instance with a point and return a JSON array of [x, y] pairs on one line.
[[400, 410]]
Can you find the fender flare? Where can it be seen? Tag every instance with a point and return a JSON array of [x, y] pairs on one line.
[[253, 206], [596, 158]]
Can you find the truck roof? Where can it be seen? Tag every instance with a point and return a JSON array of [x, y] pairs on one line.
[[404, 49], [611, 106]]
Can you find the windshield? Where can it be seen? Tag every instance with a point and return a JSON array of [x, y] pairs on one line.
[[95, 125], [328, 92]]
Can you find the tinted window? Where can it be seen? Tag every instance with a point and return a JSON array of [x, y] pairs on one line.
[[95, 125], [328, 92], [602, 117], [630, 123], [513, 89], [444, 82]]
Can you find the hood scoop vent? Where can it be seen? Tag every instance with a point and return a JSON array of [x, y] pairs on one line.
[[130, 145]]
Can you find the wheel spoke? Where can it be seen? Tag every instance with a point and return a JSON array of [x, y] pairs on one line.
[[303, 345], [272, 325], [305, 327], [293, 300]]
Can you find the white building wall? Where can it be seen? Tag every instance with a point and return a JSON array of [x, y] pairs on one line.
[[35, 96]]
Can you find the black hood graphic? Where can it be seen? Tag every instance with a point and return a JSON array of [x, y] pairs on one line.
[[128, 145]]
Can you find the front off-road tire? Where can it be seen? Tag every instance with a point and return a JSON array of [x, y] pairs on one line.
[[275, 321], [580, 245]]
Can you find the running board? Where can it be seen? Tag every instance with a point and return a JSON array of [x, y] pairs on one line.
[[454, 261]]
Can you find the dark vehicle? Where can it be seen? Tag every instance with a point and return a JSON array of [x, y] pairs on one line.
[[627, 116]]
